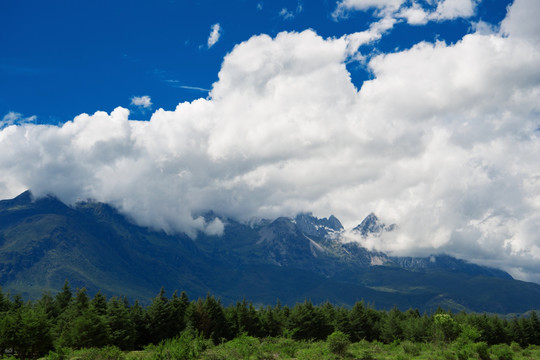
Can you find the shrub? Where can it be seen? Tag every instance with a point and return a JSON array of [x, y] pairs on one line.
[[367, 355], [515, 347], [105, 353], [61, 353], [314, 352], [187, 346], [215, 354], [502, 352], [338, 343], [244, 345], [482, 351], [466, 352], [285, 347], [411, 348]]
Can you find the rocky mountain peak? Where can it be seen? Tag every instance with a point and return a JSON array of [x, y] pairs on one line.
[[372, 225], [313, 226]]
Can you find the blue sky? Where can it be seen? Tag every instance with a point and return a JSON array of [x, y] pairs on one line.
[[63, 58], [425, 112]]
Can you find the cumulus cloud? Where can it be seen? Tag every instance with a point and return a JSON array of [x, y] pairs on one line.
[[443, 142], [142, 101], [215, 34], [520, 23]]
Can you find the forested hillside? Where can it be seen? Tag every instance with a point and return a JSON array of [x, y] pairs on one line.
[[70, 320]]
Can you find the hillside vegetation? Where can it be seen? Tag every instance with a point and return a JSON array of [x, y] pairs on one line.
[[73, 325]]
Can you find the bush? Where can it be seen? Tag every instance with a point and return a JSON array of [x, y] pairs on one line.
[[338, 343], [105, 353], [313, 352], [62, 353], [411, 348], [367, 355], [482, 351], [285, 347], [466, 352], [244, 345], [502, 352], [515, 347], [187, 346]]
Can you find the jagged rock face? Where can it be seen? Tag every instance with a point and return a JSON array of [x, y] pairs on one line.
[[372, 225], [312, 226]]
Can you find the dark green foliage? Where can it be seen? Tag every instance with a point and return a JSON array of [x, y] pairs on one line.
[[178, 308], [338, 343], [392, 328], [244, 319], [120, 325], [26, 330], [502, 352], [188, 345], [482, 350], [365, 322], [63, 298], [99, 303], [308, 322], [158, 319], [33, 329]]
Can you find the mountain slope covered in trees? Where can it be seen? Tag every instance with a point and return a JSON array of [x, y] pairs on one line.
[[43, 242]]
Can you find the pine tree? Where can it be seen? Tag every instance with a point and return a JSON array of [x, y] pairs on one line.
[[178, 307], [121, 328], [63, 298], [392, 328], [218, 327], [4, 302], [99, 303], [158, 318], [82, 302], [138, 318]]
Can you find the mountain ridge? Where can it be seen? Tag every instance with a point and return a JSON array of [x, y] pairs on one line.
[[43, 242]]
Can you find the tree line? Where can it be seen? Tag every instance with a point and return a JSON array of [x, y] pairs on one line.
[[74, 320]]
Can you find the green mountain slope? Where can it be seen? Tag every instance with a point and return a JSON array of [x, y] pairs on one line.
[[43, 242]]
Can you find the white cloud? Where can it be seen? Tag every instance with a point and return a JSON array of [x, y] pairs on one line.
[[412, 11], [142, 101], [12, 118], [215, 33], [442, 141], [453, 9], [520, 23], [415, 14], [287, 14], [383, 6]]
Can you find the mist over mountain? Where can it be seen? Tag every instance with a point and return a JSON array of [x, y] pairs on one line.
[[43, 242]]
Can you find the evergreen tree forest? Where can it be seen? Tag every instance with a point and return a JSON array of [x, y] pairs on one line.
[[177, 327]]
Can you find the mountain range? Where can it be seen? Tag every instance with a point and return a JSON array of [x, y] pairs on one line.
[[44, 242]]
